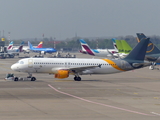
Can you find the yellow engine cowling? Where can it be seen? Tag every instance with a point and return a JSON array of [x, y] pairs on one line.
[[62, 74]]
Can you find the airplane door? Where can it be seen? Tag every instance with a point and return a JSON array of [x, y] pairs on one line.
[[30, 63]]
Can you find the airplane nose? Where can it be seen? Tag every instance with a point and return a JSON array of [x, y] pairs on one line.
[[13, 67]]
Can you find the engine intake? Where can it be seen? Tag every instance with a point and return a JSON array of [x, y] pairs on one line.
[[62, 74]]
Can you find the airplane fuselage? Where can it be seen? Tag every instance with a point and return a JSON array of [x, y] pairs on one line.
[[47, 50], [52, 65]]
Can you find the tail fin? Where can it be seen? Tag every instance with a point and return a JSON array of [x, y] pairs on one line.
[[119, 46], [140, 36], [138, 53], [20, 47], [85, 47], [40, 45], [151, 49], [10, 46], [114, 43], [30, 45], [126, 47]]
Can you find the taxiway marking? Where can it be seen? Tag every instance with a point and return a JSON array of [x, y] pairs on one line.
[[114, 107]]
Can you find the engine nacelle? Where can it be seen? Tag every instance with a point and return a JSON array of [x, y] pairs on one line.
[[62, 74], [42, 52]]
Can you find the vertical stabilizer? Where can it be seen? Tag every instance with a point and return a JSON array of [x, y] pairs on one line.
[[139, 51], [85, 47], [126, 47], [40, 45], [119, 46], [30, 45], [114, 43], [10, 46], [151, 49], [20, 48]]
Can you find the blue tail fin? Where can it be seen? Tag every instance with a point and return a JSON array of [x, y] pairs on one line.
[[138, 53], [30, 45], [151, 49]]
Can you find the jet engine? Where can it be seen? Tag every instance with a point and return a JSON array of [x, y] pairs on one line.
[[43, 52], [62, 74]]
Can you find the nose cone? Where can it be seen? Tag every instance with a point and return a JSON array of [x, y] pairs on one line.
[[13, 67]]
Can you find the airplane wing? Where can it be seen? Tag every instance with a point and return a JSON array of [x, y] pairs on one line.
[[79, 69]]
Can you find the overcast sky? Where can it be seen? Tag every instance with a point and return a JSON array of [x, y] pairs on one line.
[[88, 18]]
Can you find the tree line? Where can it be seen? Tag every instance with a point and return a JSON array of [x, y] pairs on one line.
[[73, 44]]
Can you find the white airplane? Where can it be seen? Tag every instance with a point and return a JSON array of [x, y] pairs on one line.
[[26, 49], [15, 51], [63, 67], [97, 52]]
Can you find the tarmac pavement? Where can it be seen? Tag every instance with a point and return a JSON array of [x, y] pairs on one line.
[[122, 96]]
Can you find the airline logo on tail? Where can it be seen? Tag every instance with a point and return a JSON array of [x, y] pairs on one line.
[[10, 46], [114, 43], [20, 49], [151, 49], [86, 48], [40, 45]]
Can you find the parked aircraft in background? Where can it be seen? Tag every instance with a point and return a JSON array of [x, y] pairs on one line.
[[16, 51], [96, 52], [123, 48], [152, 53], [114, 44], [41, 50], [27, 50], [10, 46], [63, 67]]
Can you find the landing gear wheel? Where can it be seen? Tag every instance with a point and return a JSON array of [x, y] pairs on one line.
[[151, 67], [16, 79], [33, 78], [77, 78]]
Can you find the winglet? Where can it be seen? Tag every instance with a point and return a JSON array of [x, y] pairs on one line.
[[99, 65]]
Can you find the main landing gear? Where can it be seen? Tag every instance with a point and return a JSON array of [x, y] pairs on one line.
[[153, 66], [77, 78]]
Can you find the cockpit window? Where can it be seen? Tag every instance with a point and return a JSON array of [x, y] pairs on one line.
[[21, 62]]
